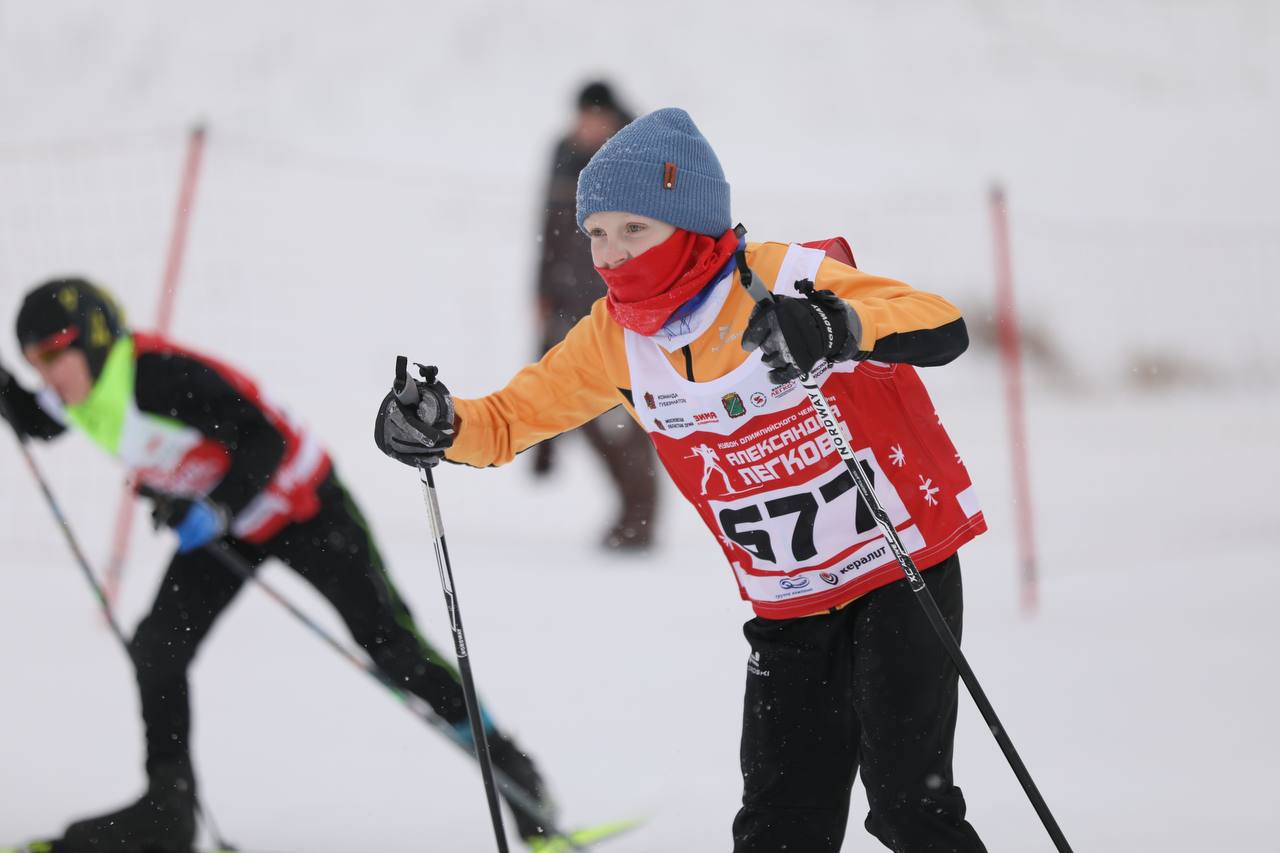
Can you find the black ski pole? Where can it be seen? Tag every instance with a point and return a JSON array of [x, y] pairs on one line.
[[407, 395], [205, 815], [825, 416], [65, 528], [520, 799]]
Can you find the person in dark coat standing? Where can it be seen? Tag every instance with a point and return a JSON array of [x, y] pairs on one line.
[[568, 284]]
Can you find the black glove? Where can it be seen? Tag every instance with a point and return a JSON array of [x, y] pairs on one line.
[[794, 334], [415, 421], [197, 521], [8, 386]]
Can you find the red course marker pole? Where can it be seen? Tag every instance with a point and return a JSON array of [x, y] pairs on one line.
[[1011, 363], [164, 319]]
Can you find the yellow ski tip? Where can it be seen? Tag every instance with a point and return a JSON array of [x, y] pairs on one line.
[[580, 837]]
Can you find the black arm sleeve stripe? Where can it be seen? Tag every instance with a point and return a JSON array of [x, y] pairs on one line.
[[923, 348], [177, 386], [26, 412]]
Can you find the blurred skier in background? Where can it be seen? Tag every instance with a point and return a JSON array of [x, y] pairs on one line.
[[846, 674], [238, 469], [568, 285]]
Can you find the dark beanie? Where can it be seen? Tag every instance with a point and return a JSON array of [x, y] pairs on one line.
[[660, 166], [599, 94], [86, 314]]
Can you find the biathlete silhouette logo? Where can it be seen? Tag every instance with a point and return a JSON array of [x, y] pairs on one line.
[[711, 463]]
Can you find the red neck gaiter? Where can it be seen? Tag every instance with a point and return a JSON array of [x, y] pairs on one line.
[[647, 289]]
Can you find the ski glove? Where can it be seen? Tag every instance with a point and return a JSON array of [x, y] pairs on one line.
[[197, 521], [415, 421], [795, 334], [7, 384]]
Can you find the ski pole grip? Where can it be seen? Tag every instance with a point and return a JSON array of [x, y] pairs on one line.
[[750, 283], [406, 392], [162, 501]]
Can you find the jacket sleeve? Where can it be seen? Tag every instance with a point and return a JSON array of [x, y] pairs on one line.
[[567, 387], [899, 323], [183, 388]]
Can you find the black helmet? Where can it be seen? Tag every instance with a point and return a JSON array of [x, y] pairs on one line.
[[71, 312]]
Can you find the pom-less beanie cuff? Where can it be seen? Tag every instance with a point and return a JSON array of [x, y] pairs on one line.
[[629, 186], [660, 166]]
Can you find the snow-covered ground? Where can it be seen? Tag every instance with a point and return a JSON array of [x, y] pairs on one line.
[[370, 188]]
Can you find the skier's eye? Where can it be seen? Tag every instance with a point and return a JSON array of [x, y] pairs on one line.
[[49, 356], [635, 227]]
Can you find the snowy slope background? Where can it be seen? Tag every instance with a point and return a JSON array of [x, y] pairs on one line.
[[371, 188]]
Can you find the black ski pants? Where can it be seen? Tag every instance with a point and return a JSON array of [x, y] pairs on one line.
[[335, 553], [867, 687]]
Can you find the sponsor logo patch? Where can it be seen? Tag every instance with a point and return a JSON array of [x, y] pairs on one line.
[[733, 404], [862, 561], [827, 577], [758, 399], [649, 401], [793, 583], [664, 400]]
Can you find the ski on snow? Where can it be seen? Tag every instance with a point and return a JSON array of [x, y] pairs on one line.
[[574, 840]]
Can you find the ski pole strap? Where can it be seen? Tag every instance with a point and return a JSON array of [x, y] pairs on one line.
[[748, 279], [406, 392]]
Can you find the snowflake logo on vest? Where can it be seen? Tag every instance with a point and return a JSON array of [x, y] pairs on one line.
[[929, 490], [711, 464]]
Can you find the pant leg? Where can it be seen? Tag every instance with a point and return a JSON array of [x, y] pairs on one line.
[[629, 457], [799, 736], [335, 552], [905, 695], [195, 590]]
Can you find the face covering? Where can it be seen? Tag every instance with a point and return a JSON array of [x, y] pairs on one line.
[[646, 290]]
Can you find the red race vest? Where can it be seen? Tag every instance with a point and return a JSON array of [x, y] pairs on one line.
[[762, 472], [176, 458]]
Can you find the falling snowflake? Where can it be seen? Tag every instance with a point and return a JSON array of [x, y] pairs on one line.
[[929, 490], [897, 457], [938, 416], [959, 461], [728, 543]]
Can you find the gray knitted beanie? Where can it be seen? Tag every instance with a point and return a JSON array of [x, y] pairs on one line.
[[660, 166]]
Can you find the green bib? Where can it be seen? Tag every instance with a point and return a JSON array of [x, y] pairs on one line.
[[101, 415]]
